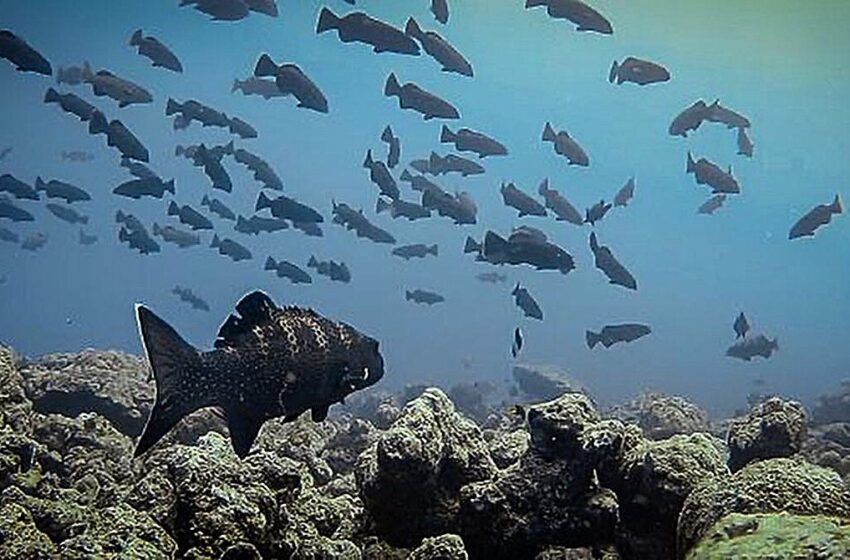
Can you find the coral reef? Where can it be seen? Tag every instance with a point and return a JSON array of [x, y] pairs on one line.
[[661, 416], [774, 428], [543, 382]]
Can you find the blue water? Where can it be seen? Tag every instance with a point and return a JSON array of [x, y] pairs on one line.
[[780, 63]]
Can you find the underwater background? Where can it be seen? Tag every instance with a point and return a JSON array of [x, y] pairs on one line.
[[781, 63]]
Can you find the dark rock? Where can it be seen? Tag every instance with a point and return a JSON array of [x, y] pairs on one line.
[[775, 428], [543, 383], [661, 416]]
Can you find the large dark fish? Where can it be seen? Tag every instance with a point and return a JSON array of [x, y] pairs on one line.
[[70, 103], [523, 203], [712, 204], [564, 211], [220, 10], [524, 300], [439, 49], [525, 245], [741, 326], [689, 119], [583, 16], [626, 193], [459, 206], [708, 173], [289, 209], [176, 236], [265, 7], [402, 209], [268, 362], [151, 48], [359, 27], [419, 182], [291, 80], [411, 96], [263, 172], [139, 240], [258, 224], [337, 272], [423, 296], [606, 262], [596, 212], [129, 221], [59, 189], [67, 214], [189, 216], [241, 128], [9, 211], [393, 146], [354, 220], [418, 250], [451, 163], [637, 71], [24, 57], [818, 216], [213, 168], [745, 145], [192, 110], [17, 188], [381, 176], [440, 9], [749, 348], [125, 92], [231, 248], [119, 136], [286, 269], [218, 208], [187, 295], [613, 334], [467, 140], [137, 188], [717, 113], [566, 146], [253, 85], [138, 170], [310, 229]]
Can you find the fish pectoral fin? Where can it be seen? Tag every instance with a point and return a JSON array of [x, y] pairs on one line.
[[319, 413], [244, 427]]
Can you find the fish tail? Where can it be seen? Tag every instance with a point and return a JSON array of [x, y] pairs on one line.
[[775, 344], [836, 207], [265, 67], [97, 123], [408, 295], [406, 176], [548, 133], [51, 96], [368, 161], [612, 75], [171, 107], [205, 201], [174, 364], [236, 85], [434, 250], [179, 150], [592, 339], [123, 234], [691, 165], [312, 263], [381, 206], [392, 87], [471, 246], [39, 184], [169, 186], [412, 28], [544, 187], [270, 264], [262, 202], [594, 245], [446, 135], [216, 242], [327, 20], [387, 134], [136, 38], [173, 209]]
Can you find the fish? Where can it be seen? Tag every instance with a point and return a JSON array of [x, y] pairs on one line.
[[741, 326], [5, 152], [468, 140], [220, 10], [265, 7], [439, 49], [288, 208], [402, 209], [22, 55], [86, 238], [614, 334], [393, 146], [9, 236], [59, 189], [77, 156], [310, 229], [337, 272], [381, 176], [583, 16], [198, 153], [192, 110], [418, 250], [749, 348], [138, 170], [67, 214], [301, 359], [171, 234], [411, 96], [458, 206], [213, 168], [120, 137], [717, 113], [419, 182], [815, 218], [745, 145], [286, 269], [125, 92], [129, 221], [354, 220], [596, 212], [152, 48], [525, 245], [689, 119], [70, 75], [524, 300], [712, 204], [71, 103], [291, 80], [218, 208], [11, 212], [516, 345], [708, 173], [138, 239], [423, 296], [605, 261], [17, 188], [137, 188], [523, 203], [187, 295], [560, 206], [189, 216], [451, 163], [34, 241], [637, 71], [625, 194], [230, 248], [241, 128], [263, 172], [491, 277], [361, 28], [565, 146], [257, 224], [252, 85], [440, 9]]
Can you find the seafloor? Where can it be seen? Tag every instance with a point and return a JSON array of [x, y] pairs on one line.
[[418, 475]]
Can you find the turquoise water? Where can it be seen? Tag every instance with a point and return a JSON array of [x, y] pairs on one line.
[[780, 63]]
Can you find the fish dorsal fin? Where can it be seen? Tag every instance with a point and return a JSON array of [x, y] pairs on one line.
[[253, 310]]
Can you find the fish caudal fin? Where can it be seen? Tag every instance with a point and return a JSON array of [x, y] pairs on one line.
[[171, 107], [412, 28], [172, 361], [136, 38], [592, 339], [368, 161], [270, 264], [836, 207], [327, 20], [471, 246], [243, 425], [612, 75], [51, 95], [265, 67], [262, 202], [446, 135], [548, 133], [433, 249], [173, 209], [387, 134], [392, 86], [381, 206], [691, 165]]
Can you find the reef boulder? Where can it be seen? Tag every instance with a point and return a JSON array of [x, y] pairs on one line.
[[774, 428]]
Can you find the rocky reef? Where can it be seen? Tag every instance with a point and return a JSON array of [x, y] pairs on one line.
[[424, 475]]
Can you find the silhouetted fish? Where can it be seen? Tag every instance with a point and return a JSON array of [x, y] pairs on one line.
[[525, 245], [176, 236], [439, 49], [818, 216], [289, 209], [258, 224], [230, 248], [77, 156], [708, 173], [745, 145], [59, 189], [119, 136], [564, 145], [523, 203], [638, 71], [67, 214], [137, 188], [626, 193], [17, 188], [402, 209], [151, 48], [741, 325], [719, 114], [310, 229], [337, 272], [299, 358], [419, 182], [583, 16], [252, 85], [354, 220], [411, 96], [712, 204], [423, 296], [9, 211], [125, 92], [189, 216], [564, 211], [516, 344], [440, 9], [139, 240], [749, 348], [610, 266], [70, 103], [187, 295], [218, 207], [418, 250], [466, 140], [381, 176], [192, 110], [263, 172], [241, 128], [613, 334], [596, 212], [286, 269], [291, 80], [393, 146], [459, 206], [220, 10], [24, 57], [451, 163], [359, 27], [689, 119], [524, 300]]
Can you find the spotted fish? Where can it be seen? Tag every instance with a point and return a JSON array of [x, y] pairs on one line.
[[267, 362]]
